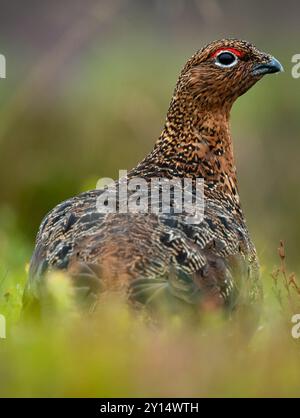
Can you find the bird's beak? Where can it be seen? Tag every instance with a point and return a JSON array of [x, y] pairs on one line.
[[272, 66]]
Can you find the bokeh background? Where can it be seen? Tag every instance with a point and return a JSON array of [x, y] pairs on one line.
[[88, 86], [87, 89]]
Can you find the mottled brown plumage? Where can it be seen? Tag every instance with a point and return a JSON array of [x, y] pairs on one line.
[[212, 264]]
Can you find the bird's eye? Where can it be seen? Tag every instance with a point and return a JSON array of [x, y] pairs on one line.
[[226, 59]]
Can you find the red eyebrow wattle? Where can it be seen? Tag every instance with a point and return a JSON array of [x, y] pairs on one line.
[[233, 50]]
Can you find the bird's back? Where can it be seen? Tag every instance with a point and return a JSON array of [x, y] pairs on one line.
[[150, 258]]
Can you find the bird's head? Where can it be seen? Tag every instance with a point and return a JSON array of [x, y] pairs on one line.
[[224, 70]]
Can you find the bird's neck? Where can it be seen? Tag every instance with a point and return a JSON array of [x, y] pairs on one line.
[[195, 142]]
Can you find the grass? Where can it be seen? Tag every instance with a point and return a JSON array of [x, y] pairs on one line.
[[118, 352], [286, 287]]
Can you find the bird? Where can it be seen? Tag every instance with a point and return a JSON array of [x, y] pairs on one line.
[[160, 259]]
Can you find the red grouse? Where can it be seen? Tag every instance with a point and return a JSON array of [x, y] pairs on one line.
[[158, 258]]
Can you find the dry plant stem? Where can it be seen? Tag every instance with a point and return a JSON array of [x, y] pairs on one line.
[[289, 282]]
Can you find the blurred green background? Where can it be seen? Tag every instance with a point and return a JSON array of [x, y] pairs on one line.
[[88, 86], [87, 89]]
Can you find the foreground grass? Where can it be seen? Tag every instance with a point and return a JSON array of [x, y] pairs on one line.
[[117, 352]]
